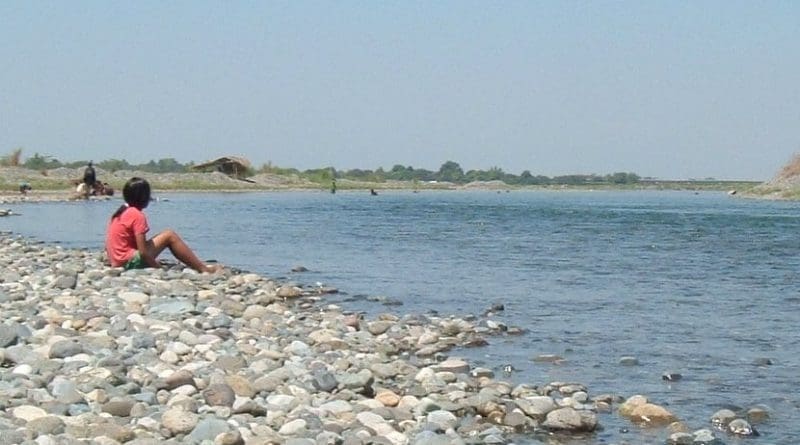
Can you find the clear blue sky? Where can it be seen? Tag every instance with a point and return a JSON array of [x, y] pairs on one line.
[[669, 89]]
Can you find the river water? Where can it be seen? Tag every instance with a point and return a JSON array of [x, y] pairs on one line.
[[703, 285]]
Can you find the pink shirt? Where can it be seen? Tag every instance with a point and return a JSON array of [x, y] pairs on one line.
[[121, 235]]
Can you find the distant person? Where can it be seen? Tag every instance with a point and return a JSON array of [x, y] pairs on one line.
[[333, 185], [89, 178], [373, 192], [24, 188], [126, 242], [82, 191], [103, 189]]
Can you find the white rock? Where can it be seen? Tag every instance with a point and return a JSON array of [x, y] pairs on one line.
[[134, 297], [293, 427], [374, 422], [28, 412], [442, 418]]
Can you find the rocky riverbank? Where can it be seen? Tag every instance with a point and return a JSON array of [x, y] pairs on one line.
[[93, 354]]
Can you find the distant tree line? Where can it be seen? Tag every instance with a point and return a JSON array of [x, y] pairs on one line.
[[166, 165], [452, 172], [448, 172]]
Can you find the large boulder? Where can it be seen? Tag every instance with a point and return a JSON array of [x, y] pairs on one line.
[[570, 419], [638, 410]]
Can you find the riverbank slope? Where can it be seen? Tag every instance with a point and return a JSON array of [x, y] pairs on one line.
[[172, 356]]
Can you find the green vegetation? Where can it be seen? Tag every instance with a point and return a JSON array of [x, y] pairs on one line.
[[449, 172]]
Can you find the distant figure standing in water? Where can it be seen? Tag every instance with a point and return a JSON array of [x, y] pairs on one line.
[[126, 242], [89, 177], [333, 185], [373, 192]]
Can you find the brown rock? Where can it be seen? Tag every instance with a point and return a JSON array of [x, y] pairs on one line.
[[179, 421], [118, 407], [177, 379], [240, 385], [286, 291], [387, 397], [651, 414]]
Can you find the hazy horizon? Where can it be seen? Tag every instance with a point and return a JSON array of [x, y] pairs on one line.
[[672, 90]]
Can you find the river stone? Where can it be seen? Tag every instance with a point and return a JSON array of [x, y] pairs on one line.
[[374, 422], [132, 297], [324, 381], [705, 437], [65, 391], [282, 402], [229, 438], [536, 406], [741, 427], [379, 327], [46, 425], [178, 421], [179, 348], [240, 385], [28, 412], [143, 340], [254, 311], [482, 372], [208, 429], [297, 347], [570, 419], [287, 291], [170, 306], [248, 406], [306, 441], [518, 420], [628, 361], [66, 281], [231, 363], [221, 321], [757, 414], [627, 407], [387, 397], [432, 438], [8, 335], [119, 433], [19, 354], [356, 381], [64, 349], [293, 428], [442, 419], [650, 414], [384, 370], [722, 418], [456, 366], [680, 438], [176, 379], [119, 407], [219, 394], [336, 407]]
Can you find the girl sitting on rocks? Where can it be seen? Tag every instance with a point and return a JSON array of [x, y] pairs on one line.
[[126, 242]]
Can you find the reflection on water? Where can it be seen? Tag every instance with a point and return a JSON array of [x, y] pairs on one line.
[[704, 285]]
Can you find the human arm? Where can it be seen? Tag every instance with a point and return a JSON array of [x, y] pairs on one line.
[[145, 252]]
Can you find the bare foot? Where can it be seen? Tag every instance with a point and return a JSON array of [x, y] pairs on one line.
[[213, 268]]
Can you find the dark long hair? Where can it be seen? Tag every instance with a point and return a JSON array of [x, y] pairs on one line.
[[136, 193]]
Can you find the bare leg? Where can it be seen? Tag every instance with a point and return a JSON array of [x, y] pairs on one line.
[[170, 239]]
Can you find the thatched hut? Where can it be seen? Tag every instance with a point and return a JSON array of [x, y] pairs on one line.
[[230, 165]]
